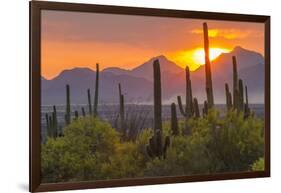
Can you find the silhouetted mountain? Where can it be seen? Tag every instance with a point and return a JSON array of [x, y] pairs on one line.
[[250, 67], [117, 71], [138, 86], [146, 69]]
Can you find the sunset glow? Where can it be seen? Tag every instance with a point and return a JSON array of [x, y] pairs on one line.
[[73, 39], [199, 55]]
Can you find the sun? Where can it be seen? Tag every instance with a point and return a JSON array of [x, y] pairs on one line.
[[198, 55]]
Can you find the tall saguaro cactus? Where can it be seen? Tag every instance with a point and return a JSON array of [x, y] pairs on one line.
[[241, 95], [208, 72], [157, 98], [121, 110], [155, 147], [188, 110], [68, 110], [228, 97], [174, 120], [89, 101], [96, 91], [235, 84]]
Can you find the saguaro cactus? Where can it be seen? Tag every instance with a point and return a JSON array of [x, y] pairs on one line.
[[188, 110], [174, 120], [157, 98], [52, 123], [196, 108], [205, 108], [76, 115], [121, 110], [68, 111], [241, 95], [228, 97], [246, 107], [83, 112], [55, 122], [235, 84], [89, 101], [96, 91], [155, 147], [48, 125], [208, 72]]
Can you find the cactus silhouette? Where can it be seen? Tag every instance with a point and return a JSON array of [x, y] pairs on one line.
[[205, 108], [55, 122], [155, 148], [196, 108], [76, 114], [49, 132], [228, 97], [241, 95], [89, 101], [68, 110], [235, 84], [174, 120], [247, 110], [83, 112], [121, 110], [188, 110], [208, 72], [96, 91], [52, 124]]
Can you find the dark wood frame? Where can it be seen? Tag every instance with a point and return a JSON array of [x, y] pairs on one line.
[[35, 88]]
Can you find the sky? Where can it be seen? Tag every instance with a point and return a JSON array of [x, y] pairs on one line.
[[77, 39]]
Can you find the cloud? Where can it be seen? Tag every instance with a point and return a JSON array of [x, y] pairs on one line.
[[229, 33]]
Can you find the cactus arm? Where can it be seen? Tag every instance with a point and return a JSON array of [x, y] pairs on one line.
[[181, 106]]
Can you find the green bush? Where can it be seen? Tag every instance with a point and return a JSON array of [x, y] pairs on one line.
[[92, 150], [258, 165], [217, 144]]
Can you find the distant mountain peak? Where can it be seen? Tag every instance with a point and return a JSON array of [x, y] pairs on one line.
[[238, 48]]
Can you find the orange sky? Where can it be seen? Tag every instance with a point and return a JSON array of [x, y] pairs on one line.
[[76, 39]]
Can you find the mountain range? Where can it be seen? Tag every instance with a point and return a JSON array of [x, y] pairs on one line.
[[137, 84]]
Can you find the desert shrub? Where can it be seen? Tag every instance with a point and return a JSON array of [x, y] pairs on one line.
[[217, 144], [258, 165], [87, 143], [92, 150]]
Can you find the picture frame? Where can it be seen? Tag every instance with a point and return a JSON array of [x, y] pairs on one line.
[[35, 94]]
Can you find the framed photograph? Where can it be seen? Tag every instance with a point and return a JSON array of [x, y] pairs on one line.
[[123, 96]]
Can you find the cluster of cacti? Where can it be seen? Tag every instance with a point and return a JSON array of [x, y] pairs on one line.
[[121, 111], [52, 124], [238, 103], [156, 148], [52, 120]]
